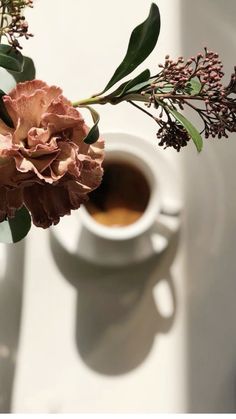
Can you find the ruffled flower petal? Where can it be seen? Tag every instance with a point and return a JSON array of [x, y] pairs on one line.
[[44, 162]]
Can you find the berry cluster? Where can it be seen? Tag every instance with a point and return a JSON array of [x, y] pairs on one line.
[[197, 84], [13, 23], [206, 68], [172, 134]]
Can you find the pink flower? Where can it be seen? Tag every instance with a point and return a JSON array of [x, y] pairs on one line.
[[44, 162]]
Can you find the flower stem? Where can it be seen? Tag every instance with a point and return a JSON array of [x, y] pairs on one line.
[[96, 100], [141, 109], [102, 100]]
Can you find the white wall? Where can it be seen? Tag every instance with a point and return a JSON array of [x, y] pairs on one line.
[[210, 227]]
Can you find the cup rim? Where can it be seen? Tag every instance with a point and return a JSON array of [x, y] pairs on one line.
[[135, 148]]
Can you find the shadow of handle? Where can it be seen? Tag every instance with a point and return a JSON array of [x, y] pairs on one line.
[[165, 302], [165, 238]]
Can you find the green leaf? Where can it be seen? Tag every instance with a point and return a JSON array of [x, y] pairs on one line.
[[3, 111], [93, 134], [140, 86], [142, 42], [11, 59], [195, 86], [28, 71], [15, 229], [193, 132], [142, 77], [127, 86], [166, 89]]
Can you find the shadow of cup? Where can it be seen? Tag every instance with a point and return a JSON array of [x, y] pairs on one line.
[[117, 317]]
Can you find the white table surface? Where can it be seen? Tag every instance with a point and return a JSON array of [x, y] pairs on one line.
[[97, 344]]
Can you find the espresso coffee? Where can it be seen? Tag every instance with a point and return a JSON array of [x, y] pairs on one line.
[[122, 197]]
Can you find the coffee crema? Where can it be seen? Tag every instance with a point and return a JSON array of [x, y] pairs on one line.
[[122, 197]]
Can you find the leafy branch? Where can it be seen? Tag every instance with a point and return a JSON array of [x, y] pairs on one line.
[[195, 84]]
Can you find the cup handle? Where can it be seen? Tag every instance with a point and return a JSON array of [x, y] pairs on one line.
[[165, 227]]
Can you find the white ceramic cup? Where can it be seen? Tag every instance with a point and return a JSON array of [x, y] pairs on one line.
[[129, 244], [136, 151]]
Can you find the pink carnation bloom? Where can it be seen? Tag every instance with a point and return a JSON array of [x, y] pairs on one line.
[[44, 162]]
